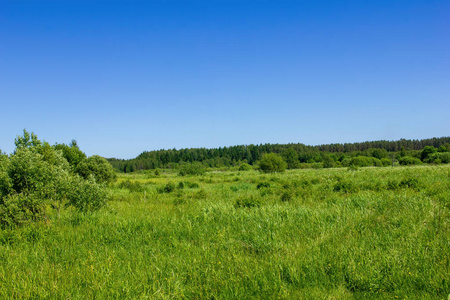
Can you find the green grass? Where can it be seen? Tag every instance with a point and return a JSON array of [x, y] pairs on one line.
[[374, 233]]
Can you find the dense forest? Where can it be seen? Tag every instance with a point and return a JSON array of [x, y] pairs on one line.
[[375, 153]]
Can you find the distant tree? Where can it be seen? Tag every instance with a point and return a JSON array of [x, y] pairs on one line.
[[426, 152], [402, 152], [271, 163], [328, 162], [408, 160], [245, 167], [291, 158], [194, 168]]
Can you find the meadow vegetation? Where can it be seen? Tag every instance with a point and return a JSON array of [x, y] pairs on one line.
[[341, 233]]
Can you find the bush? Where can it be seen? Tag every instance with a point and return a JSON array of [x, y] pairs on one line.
[[408, 160], [132, 186], [426, 152], [245, 167], [37, 176], [98, 167], [271, 163], [87, 195], [194, 168], [18, 209], [168, 188], [386, 162]]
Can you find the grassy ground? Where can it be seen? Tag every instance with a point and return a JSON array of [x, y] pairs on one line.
[[374, 233]]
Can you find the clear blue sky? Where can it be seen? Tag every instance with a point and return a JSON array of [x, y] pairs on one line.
[[122, 77]]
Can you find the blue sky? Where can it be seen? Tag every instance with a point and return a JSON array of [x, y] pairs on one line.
[[122, 77]]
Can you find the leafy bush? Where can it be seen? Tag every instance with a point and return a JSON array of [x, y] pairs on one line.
[[168, 188], [271, 163], [98, 167], [71, 153], [439, 157], [132, 186], [18, 209], [194, 168], [191, 185], [386, 162], [37, 176], [426, 152], [408, 160], [245, 167], [87, 195]]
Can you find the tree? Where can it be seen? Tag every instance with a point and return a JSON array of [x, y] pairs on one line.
[[426, 152], [97, 167], [291, 158], [71, 153], [37, 176], [328, 161], [271, 163]]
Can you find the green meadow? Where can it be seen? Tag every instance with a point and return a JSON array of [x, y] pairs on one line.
[[367, 233]]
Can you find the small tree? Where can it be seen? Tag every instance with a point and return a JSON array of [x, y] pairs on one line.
[[271, 163], [426, 153], [291, 158], [98, 167]]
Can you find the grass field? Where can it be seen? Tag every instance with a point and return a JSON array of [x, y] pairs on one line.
[[373, 233]]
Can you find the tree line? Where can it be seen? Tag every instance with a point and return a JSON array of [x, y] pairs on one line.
[[296, 155]]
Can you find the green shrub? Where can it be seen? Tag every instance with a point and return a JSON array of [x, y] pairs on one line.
[[271, 163], [18, 209], [98, 167], [245, 167], [37, 176], [426, 152], [408, 160], [191, 185], [132, 186], [86, 195], [194, 168], [168, 188], [386, 162], [345, 186]]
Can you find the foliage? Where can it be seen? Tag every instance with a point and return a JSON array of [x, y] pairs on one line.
[[271, 163], [328, 161], [426, 152], [291, 158], [408, 160], [195, 168], [296, 155], [71, 153], [37, 176], [245, 167], [97, 167]]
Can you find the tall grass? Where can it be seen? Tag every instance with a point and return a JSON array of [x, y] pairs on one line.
[[374, 233]]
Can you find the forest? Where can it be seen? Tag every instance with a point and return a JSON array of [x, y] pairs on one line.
[[375, 153]]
